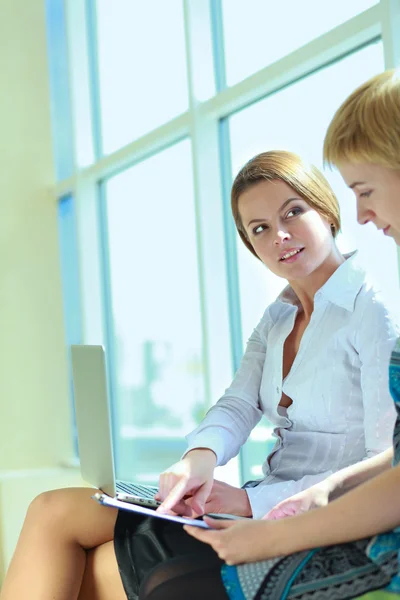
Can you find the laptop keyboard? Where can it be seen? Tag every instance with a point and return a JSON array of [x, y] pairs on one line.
[[136, 489]]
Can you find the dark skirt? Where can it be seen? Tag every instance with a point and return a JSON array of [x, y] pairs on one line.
[[142, 543]]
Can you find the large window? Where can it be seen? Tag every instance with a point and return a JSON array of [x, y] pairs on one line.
[[156, 106]]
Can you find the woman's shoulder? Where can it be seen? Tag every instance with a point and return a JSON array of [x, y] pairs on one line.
[[277, 311], [376, 298], [374, 307], [285, 302]]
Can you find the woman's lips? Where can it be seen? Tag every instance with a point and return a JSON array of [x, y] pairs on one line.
[[292, 258]]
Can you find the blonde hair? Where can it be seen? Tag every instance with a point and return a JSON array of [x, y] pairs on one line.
[[306, 180], [366, 128]]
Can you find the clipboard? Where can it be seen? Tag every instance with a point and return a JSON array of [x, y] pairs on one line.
[[142, 510]]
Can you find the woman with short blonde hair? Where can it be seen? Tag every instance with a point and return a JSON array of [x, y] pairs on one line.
[[366, 128]]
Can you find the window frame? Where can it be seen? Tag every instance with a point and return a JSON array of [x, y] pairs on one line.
[[205, 124]]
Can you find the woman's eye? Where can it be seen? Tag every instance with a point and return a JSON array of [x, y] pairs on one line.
[[365, 194], [259, 229], [294, 211]]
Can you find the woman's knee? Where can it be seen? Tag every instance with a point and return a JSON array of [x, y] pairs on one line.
[[57, 508]]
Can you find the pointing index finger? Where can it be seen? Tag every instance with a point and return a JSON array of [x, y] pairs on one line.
[[174, 496]]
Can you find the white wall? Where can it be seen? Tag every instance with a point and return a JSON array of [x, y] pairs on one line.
[[35, 432]]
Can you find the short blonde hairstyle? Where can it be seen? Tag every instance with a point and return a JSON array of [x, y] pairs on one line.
[[306, 180], [366, 128]]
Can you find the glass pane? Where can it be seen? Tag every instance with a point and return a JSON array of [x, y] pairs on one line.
[[260, 33], [70, 285], [156, 314], [296, 119], [142, 67]]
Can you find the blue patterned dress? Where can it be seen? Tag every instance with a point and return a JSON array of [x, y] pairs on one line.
[[332, 573]]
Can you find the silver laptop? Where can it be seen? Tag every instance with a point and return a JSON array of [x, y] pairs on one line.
[[94, 428]]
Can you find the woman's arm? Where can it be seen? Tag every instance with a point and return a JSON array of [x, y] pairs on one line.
[[332, 487], [188, 484], [229, 422], [368, 509], [346, 479]]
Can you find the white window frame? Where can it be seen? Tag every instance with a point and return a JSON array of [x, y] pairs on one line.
[[202, 124]]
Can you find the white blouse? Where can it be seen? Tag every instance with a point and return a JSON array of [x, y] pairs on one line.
[[342, 411]]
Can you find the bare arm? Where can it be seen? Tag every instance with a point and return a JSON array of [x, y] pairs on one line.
[[332, 487], [346, 479], [368, 509]]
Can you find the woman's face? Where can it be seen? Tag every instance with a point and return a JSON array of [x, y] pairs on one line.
[[377, 191], [291, 238]]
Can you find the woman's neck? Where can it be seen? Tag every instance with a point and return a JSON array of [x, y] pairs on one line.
[[305, 289]]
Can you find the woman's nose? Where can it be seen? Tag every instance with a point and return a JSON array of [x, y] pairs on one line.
[[281, 236], [364, 215]]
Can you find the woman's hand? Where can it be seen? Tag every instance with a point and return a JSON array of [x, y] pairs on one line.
[[190, 478], [313, 497], [238, 542], [225, 498]]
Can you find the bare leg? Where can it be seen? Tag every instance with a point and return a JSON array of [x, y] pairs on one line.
[[50, 557], [102, 580]]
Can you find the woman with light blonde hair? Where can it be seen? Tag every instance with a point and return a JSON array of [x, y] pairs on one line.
[[366, 128], [315, 366]]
